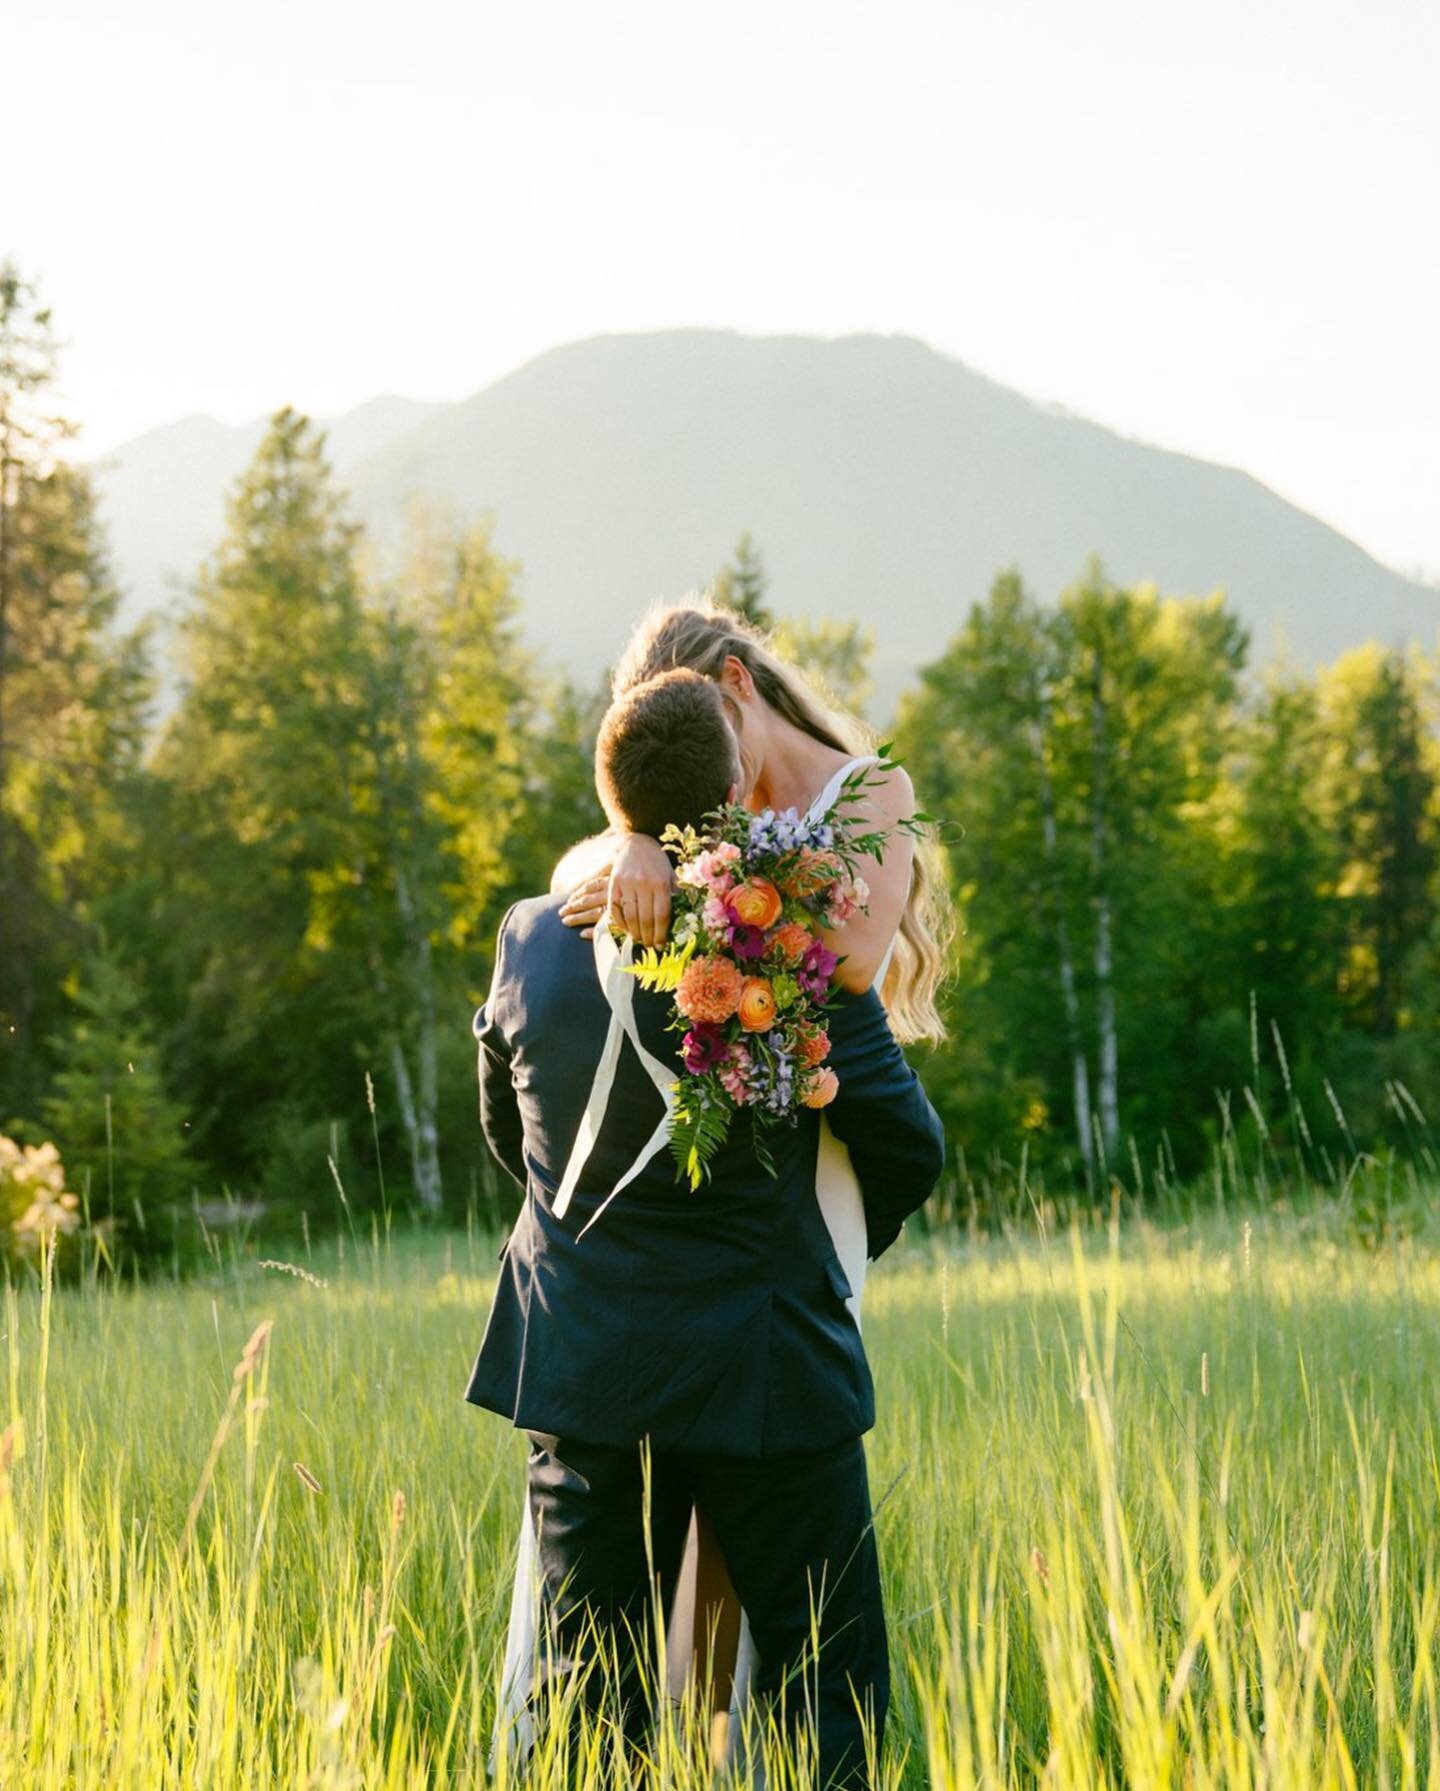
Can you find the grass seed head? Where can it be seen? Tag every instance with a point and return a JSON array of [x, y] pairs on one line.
[[293, 1268], [254, 1349]]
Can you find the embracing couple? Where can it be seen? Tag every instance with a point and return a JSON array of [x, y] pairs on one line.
[[690, 1371]]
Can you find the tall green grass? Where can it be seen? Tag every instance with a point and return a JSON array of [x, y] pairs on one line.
[[1156, 1506]]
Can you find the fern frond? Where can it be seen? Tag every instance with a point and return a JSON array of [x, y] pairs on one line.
[[696, 1132], [661, 971]]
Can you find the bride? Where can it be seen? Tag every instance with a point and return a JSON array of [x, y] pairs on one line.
[[794, 753]]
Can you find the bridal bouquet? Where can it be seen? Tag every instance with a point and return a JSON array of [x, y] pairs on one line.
[[750, 974]]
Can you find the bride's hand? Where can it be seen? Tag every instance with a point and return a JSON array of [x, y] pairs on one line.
[[586, 903], [639, 894]]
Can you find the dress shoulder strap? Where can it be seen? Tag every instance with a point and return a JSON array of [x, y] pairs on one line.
[[832, 788]]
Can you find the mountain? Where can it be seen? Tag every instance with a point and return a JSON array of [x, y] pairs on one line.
[[162, 494], [882, 480]]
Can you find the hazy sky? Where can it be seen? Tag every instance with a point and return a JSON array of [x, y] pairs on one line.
[[1213, 226]]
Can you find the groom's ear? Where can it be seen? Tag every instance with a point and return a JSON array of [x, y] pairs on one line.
[[734, 793]]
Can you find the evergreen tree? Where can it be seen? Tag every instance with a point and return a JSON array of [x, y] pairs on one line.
[[348, 767], [742, 584], [269, 799], [73, 697], [116, 1127], [1382, 783], [1285, 864]]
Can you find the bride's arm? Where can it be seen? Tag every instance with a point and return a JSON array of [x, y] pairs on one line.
[[864, 940], [631, 873]]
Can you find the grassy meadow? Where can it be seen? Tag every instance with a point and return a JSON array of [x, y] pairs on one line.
[[1157, 1506]]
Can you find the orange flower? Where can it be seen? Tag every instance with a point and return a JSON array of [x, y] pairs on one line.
[[756, 903], [824, 1086], [812, 1046], [710, 990], [757, 1005], [813, 871], [792, 941]]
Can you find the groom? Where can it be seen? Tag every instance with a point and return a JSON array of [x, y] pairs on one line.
[[691, 1349]]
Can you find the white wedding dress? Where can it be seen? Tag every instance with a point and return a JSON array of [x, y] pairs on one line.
[[838, 1192]]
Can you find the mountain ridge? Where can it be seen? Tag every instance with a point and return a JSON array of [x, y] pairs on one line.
[[882, 480]]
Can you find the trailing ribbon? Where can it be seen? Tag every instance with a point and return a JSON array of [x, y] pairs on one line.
[[612, 964]]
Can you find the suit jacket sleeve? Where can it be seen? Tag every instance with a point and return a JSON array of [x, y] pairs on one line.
[[883, 1117], [499, 1108]]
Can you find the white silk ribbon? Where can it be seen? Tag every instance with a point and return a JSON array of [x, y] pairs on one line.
[[612, 965]]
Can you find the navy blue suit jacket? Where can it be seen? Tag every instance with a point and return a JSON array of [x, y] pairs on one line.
[[712, 1321]]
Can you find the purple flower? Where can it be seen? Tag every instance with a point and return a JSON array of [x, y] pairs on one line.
[[704, 1046], [772, 1083], [746, 942], [816, 968]]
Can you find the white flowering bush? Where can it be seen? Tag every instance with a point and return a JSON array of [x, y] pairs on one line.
[[34, 1201]]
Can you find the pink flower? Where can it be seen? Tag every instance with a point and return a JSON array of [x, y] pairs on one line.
[[717, 918], [711, 870], [821, 1088], [735, 1076], [846, 899]]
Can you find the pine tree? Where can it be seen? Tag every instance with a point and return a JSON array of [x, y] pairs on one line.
[[742, 584], [73, 697], [349, 765], [1285, 865], [1382, 782], [117, 1129], [268, 811]]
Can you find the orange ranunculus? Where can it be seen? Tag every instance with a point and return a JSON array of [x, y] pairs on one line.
[[756, 903], [792, 941], [812, 1046], [710, 990], [757, 1005], [813, 870], [824, 1086]]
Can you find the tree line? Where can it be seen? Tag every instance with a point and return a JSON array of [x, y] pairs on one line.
[[240, 942]]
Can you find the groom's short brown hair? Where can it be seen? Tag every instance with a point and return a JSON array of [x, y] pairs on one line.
[[665, 754]]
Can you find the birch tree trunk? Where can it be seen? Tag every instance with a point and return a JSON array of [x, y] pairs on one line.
[[421, 1128], [1109, 1067], [417, 1112], [1070, 1002]]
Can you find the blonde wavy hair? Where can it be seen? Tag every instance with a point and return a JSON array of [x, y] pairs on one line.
[[701, 635]]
